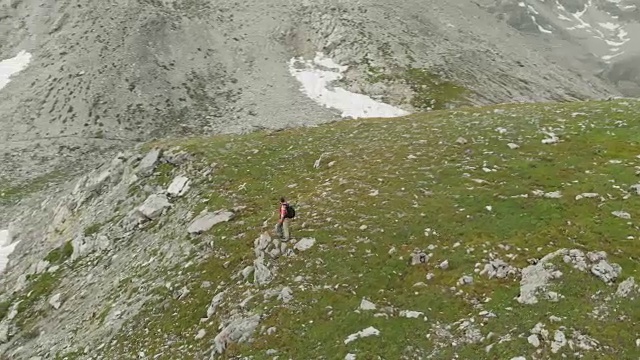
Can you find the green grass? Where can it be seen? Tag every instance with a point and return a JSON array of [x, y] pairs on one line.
[[11, 192], [92, 229], [61, 254], [423, 180], [430, 92], [34, 297]]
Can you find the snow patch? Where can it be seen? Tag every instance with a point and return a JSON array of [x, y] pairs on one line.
[[12, 66], [317, 76]]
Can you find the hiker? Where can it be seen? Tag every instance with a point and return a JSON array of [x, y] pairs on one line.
[[286, 213]]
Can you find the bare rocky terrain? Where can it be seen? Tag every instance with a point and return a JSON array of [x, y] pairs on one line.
[[107, 74], [145, 143]]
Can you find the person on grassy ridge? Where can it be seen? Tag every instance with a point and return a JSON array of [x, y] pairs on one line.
[[286, 213]]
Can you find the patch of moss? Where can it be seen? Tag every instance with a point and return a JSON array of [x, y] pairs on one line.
[[92, 229], [430, 91], [38, 289], [61, 254], [11, 193], [4, 309]]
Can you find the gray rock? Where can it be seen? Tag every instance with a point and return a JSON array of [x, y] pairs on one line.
[[533, 340], [207, 221], [461, 141], [41, 266], [596, 256], [102, 242], [304, 244], [605, 271], [175, 156], [4, 332], [513, 146], [201, 333], [154, 206], [444, 265], [286, 295], [179, 186], [215, 302], [246, 272], [465, 280], [586, 196], [367, 305], [621, 214], [148, 163], [498, 268], [56, 301], [238, 330], [81, 246], [559, 341], [262, 274], [626, 287], [419, 258], [535, 278], [636, 188]]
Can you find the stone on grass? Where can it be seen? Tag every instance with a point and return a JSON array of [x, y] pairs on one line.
[[304, 244], [370, 331], [461, 141], [465, 280], [208, 220], [419, 258], [286, 295], [605, 271], [626, 287], [238, 330], [148, 163], [536, 277], [621, 214], [179, 186], [262, 274], [367, 305]]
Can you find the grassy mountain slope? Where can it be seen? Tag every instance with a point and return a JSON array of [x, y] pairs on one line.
[[399, 177], [384, 190]]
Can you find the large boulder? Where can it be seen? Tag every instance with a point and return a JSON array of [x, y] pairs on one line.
[[208, 220], [148, 163], [154, 206], [179, 186]]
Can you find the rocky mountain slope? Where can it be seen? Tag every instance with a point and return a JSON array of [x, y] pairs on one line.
[[468, 232], [106, 74], [505, 231]]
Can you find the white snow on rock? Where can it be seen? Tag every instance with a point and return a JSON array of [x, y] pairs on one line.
[[12, 66], [6, 248], [316, 77], [370, 331]]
